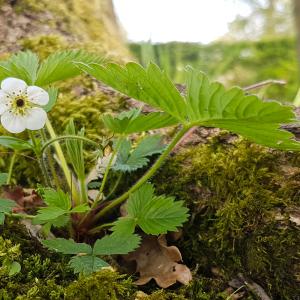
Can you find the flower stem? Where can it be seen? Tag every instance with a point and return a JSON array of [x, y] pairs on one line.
[[115, 185], [146, 177], [39, 158], [114, 153], [11, 167], [63, 162]]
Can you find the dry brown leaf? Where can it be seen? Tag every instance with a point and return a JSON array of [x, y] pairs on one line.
[[156, 260], [25, 199]]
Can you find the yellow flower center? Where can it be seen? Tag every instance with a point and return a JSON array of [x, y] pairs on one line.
[[20, 104]]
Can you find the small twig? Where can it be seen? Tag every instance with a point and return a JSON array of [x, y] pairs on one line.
[[264, 83], [254, 287], [229, 297]]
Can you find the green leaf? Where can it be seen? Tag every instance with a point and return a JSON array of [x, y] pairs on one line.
[[57, 199], [127, 124], [14, 268], [154, 214], [116, 244], [22, 65], [87, 264], [46, 214], [138, 158], [150, 85], [14, 143], [75, 150], [2, 218], [124, 225], [53, 94], [67, 246], [209, 104], [3, 178], [80, 208], [60, 66], [6, 205]]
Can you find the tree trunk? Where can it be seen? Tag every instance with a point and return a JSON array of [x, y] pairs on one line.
[[76, 22], [297, 25]]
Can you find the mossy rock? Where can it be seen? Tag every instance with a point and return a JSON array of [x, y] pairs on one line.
[[242, 198]]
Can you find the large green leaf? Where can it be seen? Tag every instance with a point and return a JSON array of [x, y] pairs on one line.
[[116, 243], [150, 85], [14, 143], [60, 66], [67, 246], [87, 264], [136, 122], [23, 65], [209, 104], [154, 214]]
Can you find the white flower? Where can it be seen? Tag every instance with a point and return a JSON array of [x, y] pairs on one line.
[[102, 164], [20, 105]]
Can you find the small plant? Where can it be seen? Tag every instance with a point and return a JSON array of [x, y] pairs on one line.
[[27, 94]]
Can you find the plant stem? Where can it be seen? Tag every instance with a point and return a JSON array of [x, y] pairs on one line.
[[147, 176], [98, 228], [39, 158], [114, 153], [11, 167], [63, 162], [65, 137], [115, 185], [19, 216]]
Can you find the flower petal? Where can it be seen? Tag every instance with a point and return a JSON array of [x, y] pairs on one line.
[[13, 86], [37, 95], [13, 123], [4, 102], [35, 118]]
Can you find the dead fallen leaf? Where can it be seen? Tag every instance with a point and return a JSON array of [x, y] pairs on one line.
[[156, 260], [25, 199]]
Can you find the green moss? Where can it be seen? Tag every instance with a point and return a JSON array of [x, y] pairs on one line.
[[106, 285], [239, 195]]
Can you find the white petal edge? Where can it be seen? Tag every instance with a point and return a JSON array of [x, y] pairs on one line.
[[4, 99], [35, 118], [12, 122], [37, 95], [13, 86]]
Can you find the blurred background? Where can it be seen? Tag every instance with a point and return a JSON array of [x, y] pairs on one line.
[[238, 42]]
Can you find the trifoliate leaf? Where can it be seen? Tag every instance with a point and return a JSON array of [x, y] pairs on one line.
[[14, 143], [138, 122], [3, 178], [60, 66], [57, 199], [153, 214], [6, 205], [138, 158], [150, 85], [206, 104], [67, 246], [116, 244], [87, 264]]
